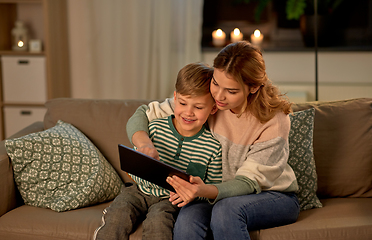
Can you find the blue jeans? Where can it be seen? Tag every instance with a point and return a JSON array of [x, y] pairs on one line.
[[234, 217]]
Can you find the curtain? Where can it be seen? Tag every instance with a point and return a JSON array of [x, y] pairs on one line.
[[131, 49]]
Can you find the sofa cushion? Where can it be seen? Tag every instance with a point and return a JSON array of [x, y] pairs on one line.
[[301, 157], [61, 169], [102, 121], [32, 223], [342, 147], [340, 218]]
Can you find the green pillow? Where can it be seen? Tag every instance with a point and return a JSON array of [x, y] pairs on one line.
[[61, 169], [301, 157]]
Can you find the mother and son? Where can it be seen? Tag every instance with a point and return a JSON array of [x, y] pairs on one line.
[[228, 127]]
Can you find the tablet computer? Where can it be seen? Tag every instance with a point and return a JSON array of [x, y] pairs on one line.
[[148, 168]]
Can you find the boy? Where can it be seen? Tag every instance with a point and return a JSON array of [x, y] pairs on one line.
[[183, 141]]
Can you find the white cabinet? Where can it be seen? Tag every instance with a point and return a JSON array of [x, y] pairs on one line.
[[341, 74], [24, 79], [17, 118], [24, 84], [344, 75]]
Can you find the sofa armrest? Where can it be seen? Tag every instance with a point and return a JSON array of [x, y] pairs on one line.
[[35, 127], [8, 189]]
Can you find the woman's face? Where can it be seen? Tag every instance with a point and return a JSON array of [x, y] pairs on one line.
[[227, 92]]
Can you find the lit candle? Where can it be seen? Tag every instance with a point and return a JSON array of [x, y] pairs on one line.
[[256, 37], [20, 44], [236, 35], [219, 38]]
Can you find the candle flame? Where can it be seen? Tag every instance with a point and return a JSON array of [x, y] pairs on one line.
[[236, 31], [20, 44], [219, 32], [257, 33]]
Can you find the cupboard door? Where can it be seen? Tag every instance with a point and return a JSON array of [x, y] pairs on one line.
[[24, 79], [16, 118]]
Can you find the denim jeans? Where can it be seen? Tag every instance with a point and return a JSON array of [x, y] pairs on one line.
[[234, 217], [193, 221]]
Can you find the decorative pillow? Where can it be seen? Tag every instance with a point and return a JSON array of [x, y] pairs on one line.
[[61, 169], [301, 157]]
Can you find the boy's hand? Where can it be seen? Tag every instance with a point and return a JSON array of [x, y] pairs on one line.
[[175, 198], [185, 191], [149, 150], [144, 144]]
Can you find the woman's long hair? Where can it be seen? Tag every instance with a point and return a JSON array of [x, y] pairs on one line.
[[245, 64]]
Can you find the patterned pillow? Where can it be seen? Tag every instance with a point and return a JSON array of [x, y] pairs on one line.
[[61, 169], [301, 157]]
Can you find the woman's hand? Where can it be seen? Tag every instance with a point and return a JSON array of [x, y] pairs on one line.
[[186, 192]]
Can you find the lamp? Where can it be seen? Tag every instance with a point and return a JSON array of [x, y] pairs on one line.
[[19, 37]]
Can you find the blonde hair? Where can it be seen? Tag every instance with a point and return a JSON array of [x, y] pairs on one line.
[[245, 64], [194, 79]]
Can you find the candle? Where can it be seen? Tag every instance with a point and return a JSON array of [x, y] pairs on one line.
[[256, 37], [219, 38], [236, 35], [20, 44]]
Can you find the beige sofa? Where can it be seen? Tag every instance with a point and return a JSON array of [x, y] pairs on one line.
[[342, 150]]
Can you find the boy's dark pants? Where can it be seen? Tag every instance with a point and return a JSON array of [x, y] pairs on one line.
[[132, 206]]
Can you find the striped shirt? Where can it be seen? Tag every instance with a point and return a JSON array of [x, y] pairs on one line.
[[199, 155]]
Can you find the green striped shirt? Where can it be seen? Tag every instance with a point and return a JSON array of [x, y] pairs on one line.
[[199, 155]]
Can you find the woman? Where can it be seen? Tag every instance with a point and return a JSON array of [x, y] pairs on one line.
[[252, 125]]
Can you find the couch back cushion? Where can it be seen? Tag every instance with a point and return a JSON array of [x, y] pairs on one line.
[[342, 147], [102, 121]]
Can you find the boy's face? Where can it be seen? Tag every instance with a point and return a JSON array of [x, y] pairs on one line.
[[192, 112]]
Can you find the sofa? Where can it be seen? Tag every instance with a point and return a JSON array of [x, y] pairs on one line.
[[341, 145]]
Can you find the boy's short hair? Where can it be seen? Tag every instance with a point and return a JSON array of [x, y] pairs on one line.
[[194, 79]]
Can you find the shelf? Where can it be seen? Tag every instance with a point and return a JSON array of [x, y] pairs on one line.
[[19, 53], [21, 1], [274, 48], [28, 104]]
